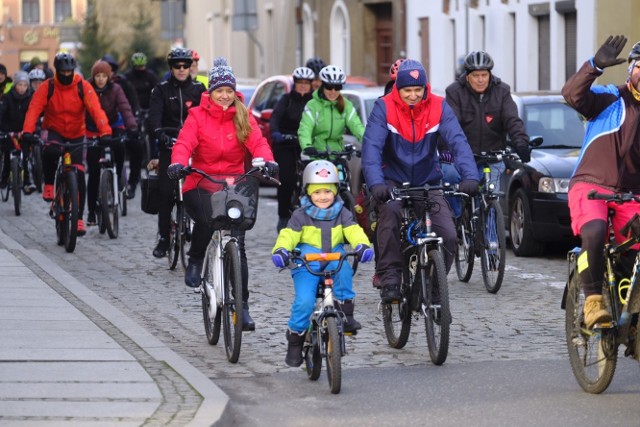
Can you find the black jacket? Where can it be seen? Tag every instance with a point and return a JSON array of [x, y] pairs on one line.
[[287, 114], [129, 91], [143, 82], [13, 110]]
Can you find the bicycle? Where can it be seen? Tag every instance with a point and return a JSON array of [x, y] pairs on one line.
[[14, 187], [233, 200], [424, 286], [593, 354], [341, 160], [111, 200], [325, 334], [481, 229]]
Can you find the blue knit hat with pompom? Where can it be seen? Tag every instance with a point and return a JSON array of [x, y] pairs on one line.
[[221, 75]]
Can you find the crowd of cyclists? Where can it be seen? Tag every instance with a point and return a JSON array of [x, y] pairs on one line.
[[412, 136]]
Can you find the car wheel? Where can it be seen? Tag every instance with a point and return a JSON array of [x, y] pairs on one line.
[[521, 231]]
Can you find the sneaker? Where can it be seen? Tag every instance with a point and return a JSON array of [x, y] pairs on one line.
[[47, 193], [390, 294], [192, 274], [91, 219], [28, 189], [130, 192], [595, 312], [82, 230], [351, 325], [161, 248]]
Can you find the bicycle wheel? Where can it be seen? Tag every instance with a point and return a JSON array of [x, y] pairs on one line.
[[70, 210], [232, 309], [312, 355], [185, 234], [16, 184], [396, 317], [333, 352], [593, 355], [7, 190], [108, 206], [465, 249], [122, 190], [210, 313], [493, 254], [175, 235], [437, 315], [36, 166]]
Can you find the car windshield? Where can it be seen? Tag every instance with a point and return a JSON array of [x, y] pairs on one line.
[[557, 123]]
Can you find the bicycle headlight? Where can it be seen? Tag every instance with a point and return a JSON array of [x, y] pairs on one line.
[[553, 185], [234, 210]]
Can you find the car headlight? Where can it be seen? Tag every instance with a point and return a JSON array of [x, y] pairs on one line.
[[234, 210], [553, 185]]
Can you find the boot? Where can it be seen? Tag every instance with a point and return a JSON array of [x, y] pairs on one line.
[[594, 311], [247, 322], [192, 275], [351, 325], [294, 349]]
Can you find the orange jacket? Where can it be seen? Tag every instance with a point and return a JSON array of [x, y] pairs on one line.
[[64, 113]]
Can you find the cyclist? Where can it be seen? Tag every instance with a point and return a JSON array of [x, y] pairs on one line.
[[5, 81], [316, 64], [64, 106], [321, 224], [609, 162], [169, 105], [13, 109], [400, 146], [194, 70], [393, 72], [285, 120], [121, 80], [327, 114], [487, 113], [215, 137], [36, 77], [115, 105]]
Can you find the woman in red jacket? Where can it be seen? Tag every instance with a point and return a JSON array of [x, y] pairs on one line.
[[216, 135]]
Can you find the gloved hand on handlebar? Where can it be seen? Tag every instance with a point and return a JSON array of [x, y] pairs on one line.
[[27, 137], [277, 137], [608, 53], [469, 186], [133, 135], [365, 253], [163, 138], [272, 169], [524, 152], [280, 258], [174, 171], [310, 151], [381, 192], [105, 140], [446, 156]]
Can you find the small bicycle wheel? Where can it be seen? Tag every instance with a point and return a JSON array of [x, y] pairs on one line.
[[493, 254], [436, 304], [175, 235], [312, 355], [396, 317], [232, 308], [36, 166], [16, 184], [70, 210], [210, 313], [333, 352], [593, 354], [109, 214], [465, 250], [185, 232]]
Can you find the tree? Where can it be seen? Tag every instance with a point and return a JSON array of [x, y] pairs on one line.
[[93, 43], [142, 40]]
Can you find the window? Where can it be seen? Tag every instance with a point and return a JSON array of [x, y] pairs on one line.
[[30, 11], [62, 10]]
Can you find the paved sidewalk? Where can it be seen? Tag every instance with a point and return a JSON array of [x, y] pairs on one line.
[[68, 357]]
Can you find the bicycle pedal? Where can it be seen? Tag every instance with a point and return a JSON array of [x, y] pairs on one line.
[[603, 325]]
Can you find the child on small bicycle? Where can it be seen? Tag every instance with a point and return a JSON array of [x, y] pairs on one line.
[[321, 224]]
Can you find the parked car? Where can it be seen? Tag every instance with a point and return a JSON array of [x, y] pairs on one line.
[[536, 204], [247, 91]]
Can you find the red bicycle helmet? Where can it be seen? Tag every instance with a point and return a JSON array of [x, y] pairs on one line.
[[393, 70]]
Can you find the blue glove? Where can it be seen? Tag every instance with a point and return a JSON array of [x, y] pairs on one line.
[[280, 258], [365, 253], [174, 171], [310, 151], [277, 137], [272, 169]]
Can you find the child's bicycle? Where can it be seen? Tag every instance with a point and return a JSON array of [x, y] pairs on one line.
[[593, 354], [324, 337]]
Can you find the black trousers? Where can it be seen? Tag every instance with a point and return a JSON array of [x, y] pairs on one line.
[[287, 158]]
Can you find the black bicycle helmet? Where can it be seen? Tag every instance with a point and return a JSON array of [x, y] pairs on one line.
[[111, 60], [180, 54], [316, 64], [64, 61], [634, 55], [478, 60]]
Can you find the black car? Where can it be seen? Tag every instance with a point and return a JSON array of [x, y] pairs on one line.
[[536, 204]]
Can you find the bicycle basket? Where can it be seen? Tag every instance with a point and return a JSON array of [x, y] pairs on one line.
[[150, 199], [233, 208]]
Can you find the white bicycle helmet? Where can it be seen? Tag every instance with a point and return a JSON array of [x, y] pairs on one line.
[[320, 172], [303, 73], [332, 75], [37, 74]]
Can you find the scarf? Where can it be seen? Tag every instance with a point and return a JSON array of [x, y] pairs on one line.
[[321, 214]]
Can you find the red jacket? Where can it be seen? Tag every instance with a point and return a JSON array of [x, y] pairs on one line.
[[209, 138], [64, 113]]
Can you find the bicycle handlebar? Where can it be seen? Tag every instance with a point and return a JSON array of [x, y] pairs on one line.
[[496, 155], [261, 169], [617, 197], [349, 150], [322, 256]]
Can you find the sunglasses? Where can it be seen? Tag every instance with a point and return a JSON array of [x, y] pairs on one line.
[[180, 66], [333, 87]]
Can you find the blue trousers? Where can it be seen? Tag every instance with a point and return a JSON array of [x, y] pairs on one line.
[[451, 175]]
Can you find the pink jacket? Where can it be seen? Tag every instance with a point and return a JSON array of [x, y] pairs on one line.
[[209, 138]]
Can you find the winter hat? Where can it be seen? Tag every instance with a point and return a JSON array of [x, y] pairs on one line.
[[411, 73], [21, 76], [3, 69], [221, 75], [101, 66], [324, 186], [35, 61]]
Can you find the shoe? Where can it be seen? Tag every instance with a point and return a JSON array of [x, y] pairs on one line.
[[161, 248], [82, 230], [130, 192], [47, 193], [282, 223], [91, 219], [350, 325], [247, 322], [294, 349], [595, 312], [390, 294], [4, 182], [193, 272], [27, 189]]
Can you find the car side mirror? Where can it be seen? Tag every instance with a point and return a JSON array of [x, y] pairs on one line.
[[535, 141]]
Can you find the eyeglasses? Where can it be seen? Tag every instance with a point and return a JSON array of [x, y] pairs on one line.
[[333, 87], [180, 66]]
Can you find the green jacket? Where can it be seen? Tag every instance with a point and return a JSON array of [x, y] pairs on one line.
[[322, 125]]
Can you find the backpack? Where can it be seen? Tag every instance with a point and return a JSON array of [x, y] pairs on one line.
[[80, 90]]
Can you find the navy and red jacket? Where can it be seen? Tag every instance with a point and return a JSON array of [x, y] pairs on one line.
[[400, 141]]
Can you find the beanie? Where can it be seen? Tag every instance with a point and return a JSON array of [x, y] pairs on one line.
[[324, 186], [21, 76], [101, 67], [221, 75], [35, 61], [411, 73]]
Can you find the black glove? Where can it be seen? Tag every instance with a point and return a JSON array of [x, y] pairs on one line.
[[272, 169], [174, 171], [133, 135], [469, 186], [105, 141], [163, 139], [608, 53], [524, 152], [310, 151], [381, 192], [26, 137]]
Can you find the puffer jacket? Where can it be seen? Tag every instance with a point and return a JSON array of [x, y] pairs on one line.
[[115, 105], [13, 110]]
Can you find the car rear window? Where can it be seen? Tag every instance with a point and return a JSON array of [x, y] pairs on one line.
[[557, 123]]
